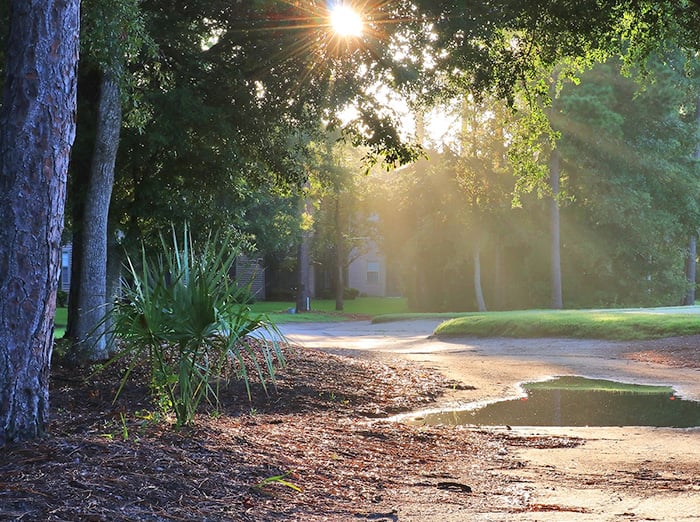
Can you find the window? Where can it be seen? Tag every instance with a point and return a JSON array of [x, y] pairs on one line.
[[372, 272]]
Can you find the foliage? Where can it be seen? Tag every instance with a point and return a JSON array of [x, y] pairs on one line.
[[628, 198], [183, 316], [584, 324], [627, 151], [342, 223], [61, 298]]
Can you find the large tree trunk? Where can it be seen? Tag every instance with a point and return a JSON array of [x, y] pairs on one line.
[[691, 260], [76, 259], [303, 297], [37, 129], [340, 259], [690, 270], [114, 271], [303, 261], [480, 302], [555, 253], [88, 326]]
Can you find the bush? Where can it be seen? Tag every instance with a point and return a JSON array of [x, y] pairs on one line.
[[350, 293], [183, 315], [61, 299]]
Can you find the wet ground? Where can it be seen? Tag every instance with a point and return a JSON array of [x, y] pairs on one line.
[[633, 473]]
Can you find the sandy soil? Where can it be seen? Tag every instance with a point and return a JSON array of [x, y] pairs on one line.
[[627, 473]]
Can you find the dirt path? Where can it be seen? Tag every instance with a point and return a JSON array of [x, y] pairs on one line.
[[629, 473]]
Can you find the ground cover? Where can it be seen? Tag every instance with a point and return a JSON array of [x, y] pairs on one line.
[[323, 310], [316, 449], [282, 312], [582, 324]]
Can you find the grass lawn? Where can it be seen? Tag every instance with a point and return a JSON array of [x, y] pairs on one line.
[[60, 321], [323, 310], [573, 383], [623, 324]]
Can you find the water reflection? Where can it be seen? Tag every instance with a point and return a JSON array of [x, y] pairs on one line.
[[552, 406]]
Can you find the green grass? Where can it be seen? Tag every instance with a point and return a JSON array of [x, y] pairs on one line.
[[323, 310], [583, 384], [60, 322], [410, 316], [582, 324]]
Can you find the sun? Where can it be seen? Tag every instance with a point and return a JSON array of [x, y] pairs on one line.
[[346, 21]]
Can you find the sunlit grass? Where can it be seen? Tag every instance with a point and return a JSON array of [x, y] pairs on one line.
[[583, 384], [323, 310], [583, 324]]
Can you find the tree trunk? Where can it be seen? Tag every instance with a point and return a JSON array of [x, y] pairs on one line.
[[303, 297], [690, 270], [76, 259], [88, 327], [37, 129], [114, 270], [691, 260], [339, 286], [480, 303], [555, 269], [303, 261], [339, 260]]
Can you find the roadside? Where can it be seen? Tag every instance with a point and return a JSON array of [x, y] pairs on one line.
[[320, 448], [629, 473]]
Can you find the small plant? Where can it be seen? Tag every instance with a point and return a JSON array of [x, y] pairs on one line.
[[279, 479], [182, 314], [125, 428]]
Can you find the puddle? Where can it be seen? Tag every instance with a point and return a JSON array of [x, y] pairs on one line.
[[578, 401]]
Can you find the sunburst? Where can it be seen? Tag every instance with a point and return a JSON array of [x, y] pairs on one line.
[[346, 21]]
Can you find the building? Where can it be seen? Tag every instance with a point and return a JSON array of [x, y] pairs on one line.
[[367, 271]]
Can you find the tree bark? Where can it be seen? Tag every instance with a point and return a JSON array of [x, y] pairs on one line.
[[37, 129], [114, 271], [690, 271], [88, 326], [303, 261], [555, 245], [340, 259], [302, 301], [480, 303], [691, 260]]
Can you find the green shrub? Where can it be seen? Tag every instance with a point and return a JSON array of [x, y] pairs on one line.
[[61, 299], [350, 293], [183, 315]]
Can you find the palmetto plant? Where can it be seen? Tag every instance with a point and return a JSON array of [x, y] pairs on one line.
[[184, 316]]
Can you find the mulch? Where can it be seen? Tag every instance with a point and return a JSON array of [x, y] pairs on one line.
[[318, 447], [678, 352]]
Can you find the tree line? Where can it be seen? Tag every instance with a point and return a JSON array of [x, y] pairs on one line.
[[627, 199]]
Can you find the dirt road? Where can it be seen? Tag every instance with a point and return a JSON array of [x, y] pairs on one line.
[[627, 473]]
